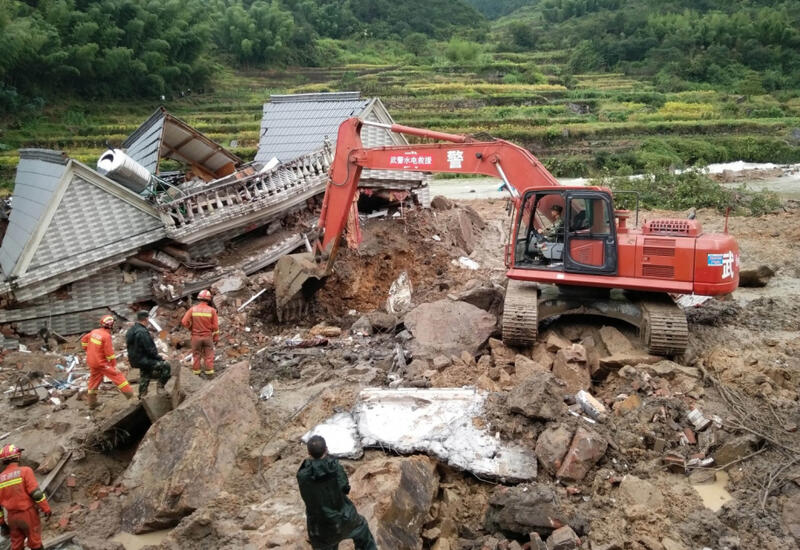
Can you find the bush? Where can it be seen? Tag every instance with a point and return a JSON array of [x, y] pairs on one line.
[[462, 51], [664, 189]]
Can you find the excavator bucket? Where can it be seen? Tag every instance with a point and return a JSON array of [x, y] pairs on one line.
[[297, 277]]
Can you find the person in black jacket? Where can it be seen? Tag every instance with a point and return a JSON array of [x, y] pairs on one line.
[[330, 516], [143, 355]]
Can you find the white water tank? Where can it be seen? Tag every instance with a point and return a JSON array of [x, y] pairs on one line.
[[121, 168]]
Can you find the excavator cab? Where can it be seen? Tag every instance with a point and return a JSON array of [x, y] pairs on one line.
[[569, 229]]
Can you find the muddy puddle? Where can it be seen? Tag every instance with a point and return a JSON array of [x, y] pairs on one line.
[[714, 494], [136, 542]]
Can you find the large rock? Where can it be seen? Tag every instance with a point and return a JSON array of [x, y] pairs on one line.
[[614, 341], [186, 457], [525, 367], [538, 397], [571, 367], [552, 446], [523, 509], [586, 450], [757, 277], [447, 327], [735, 448], [563, 538], [395, 495], [487, 296], [381, 321], [502, 355]]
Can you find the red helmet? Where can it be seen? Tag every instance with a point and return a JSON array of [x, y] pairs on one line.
[[204, 295], [107, 321], [10, 452]]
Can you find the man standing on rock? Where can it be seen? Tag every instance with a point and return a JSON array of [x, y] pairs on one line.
[[330, 516], [20, 496], [143, 355], [102, 361], [202, 320]]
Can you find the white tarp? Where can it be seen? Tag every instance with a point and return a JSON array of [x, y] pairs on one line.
[[439, 422]]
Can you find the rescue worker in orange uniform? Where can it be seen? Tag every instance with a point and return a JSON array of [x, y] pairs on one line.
[[202, 320], [102, 361], [20, 496]]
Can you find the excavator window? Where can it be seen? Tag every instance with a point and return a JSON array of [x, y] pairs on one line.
[[540, 233]]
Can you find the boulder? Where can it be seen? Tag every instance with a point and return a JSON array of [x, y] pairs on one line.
[[553, 342], [614, 341], [758, 277], [460, 229], [524, 367], [570, 366], [449, 327], [636, 491], [524, 508], [563, 538], [542, 356], [614, 362], [382, 322], [537, 397], [186, 457], [501, 354], [486, 296], [441, 361], [233, 282], [552, 445], [440, 202], [361, 327], [394, 495], [735, 448], [587, 448]]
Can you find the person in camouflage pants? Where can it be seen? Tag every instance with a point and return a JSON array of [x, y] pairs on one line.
[[143, 355]]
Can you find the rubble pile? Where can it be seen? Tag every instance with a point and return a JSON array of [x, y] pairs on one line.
[[451, 439]]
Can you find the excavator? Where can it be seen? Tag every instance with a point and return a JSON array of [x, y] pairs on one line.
[[570, 250]]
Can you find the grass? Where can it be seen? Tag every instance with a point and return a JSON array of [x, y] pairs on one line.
[[602, 123]]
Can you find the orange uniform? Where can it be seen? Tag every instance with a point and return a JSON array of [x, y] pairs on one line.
[[102, 361], [202, 320], [20, 495]]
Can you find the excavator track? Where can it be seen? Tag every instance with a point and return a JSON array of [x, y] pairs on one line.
[[664, 328], [520, 314]]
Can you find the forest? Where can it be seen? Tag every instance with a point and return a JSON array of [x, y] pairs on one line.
[[148, 48]]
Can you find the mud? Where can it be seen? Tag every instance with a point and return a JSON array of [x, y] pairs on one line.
[[743, 365]]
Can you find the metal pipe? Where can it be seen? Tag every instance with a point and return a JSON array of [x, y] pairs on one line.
[[506, 183]]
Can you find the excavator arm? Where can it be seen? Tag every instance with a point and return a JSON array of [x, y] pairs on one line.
[[516, 167]]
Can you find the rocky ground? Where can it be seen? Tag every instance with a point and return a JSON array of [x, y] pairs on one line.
[[628, 471]]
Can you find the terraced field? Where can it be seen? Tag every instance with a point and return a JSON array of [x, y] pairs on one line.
[[602, 122]]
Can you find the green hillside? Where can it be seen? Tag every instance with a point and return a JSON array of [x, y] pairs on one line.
[[561, 97]]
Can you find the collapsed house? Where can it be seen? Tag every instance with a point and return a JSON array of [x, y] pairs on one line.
[[83, 241]]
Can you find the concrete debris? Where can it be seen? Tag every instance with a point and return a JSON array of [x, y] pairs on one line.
[[233, 282], [449, 327], [615, 342], [591, 406], [552, 446], [467, 263], [341, 436], [586, 449], [440, 422], [487, 296], [362, 327], [735, 448], [399, 300]]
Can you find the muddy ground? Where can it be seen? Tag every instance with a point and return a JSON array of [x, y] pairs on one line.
[[742, 368]]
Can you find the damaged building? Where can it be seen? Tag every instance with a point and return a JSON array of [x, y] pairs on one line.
[[81, 241]]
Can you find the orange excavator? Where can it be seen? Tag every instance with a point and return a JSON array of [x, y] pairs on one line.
[[570, 250]]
